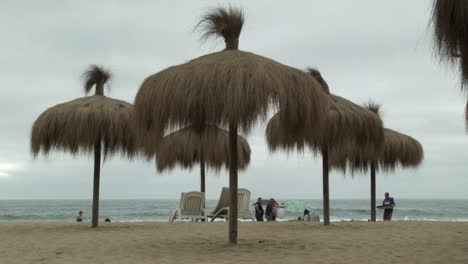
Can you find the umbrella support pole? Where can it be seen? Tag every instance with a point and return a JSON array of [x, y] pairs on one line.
[[326, 194], [373, 205], [202, 178], [97, 172], [233, 183], [202, 173]]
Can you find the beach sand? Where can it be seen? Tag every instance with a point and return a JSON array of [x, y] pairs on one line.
[[283, 242]]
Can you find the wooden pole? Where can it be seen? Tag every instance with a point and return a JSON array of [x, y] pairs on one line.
[[326, 194], [233, 183], [202, 173], [373, 213], [97, 172]]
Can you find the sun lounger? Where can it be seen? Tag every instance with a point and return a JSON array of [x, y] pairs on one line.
[[191, 207], [243, 205]]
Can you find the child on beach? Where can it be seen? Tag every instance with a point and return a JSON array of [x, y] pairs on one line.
[[79, 217]]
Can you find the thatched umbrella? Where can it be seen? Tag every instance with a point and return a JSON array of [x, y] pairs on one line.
[[450, 21], [86, 125], [230, 88], [399, 150], [210, 147], [347, 122]]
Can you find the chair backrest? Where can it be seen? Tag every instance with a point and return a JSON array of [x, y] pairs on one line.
[[243, 200], [192, 203], [223, 200]]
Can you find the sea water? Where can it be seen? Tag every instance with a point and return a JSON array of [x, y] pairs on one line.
[[159, 210]]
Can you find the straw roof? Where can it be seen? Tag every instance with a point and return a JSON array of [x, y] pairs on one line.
[[346, 122], [466, 114], [185, 147], [76, 126], [398, 150], [230, 86], [450, 21]]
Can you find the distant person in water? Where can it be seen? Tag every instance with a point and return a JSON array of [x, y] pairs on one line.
[[388, 203], [107, 220], [259, 210], [270, 212], [79, 217]]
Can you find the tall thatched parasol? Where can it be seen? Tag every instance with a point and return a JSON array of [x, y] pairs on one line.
[[86, 125], [210, 146], [346, 123], [230, 88], [399, 150]]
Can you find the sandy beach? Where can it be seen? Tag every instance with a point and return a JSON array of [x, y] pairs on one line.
[[285, 242]]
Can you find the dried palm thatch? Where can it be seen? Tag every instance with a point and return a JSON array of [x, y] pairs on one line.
[[85, 125], [347, 123], [188, 147], [77, 125], [230, 88], [318, 76], [399, 150], [450, 21]]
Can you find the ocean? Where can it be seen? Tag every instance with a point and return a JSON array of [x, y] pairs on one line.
[[158, 210]]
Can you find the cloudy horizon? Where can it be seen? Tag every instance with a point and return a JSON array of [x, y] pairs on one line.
[[366, 50]]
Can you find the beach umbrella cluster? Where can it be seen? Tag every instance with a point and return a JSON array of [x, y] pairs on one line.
[[193, 113], [347, 123], [230, 88], [399, 150]]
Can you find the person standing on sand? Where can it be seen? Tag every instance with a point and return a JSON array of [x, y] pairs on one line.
[[270, 212], [79, 217], [259, 210], [389, 203]]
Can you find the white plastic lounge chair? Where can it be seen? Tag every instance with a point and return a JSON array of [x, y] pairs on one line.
[[243, 205], [191, 207]]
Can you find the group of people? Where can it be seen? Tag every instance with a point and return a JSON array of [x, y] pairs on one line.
[[270, 211], [272, 208]]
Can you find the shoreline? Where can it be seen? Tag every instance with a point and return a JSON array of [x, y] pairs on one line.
[[247, 221]]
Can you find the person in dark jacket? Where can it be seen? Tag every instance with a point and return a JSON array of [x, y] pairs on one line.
[[388, 203], [259, 210], [270, 212]]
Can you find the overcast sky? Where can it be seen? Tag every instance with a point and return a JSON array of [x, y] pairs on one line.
[[365, 49]]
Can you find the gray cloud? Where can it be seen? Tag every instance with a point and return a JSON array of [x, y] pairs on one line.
[[365, 49]]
